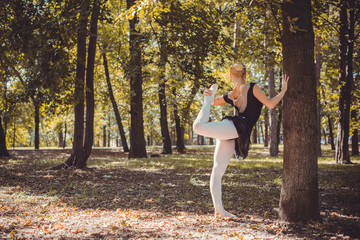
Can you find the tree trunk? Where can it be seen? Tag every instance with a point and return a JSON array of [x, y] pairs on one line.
[[274, 143], [162, 101], [342, 155], [77, 149], [299, 189], [37, 124], [90, 101], [3, 150], [266, 129], [180, 146], [279, 121], [137, 139], [254, 134], [354, 138], [114, 104], [237, 32], [65, 132], [331, 134], [104, 135], [14, 134], [318, 105], [60, 138]]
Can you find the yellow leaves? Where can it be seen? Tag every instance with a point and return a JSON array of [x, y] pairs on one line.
[[234, 235], [76, 231], [266, 214], [142, 9], [12, 234]]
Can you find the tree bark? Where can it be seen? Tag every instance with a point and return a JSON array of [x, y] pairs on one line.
[[90, 101], [76, 156], [342, 155], [274, 145], [254, 135], [331, 134], [299, 189], [114, 104], [354, 138], [318, 105], [180, 146], [60, 138], [104, 136], [37, 124], [137, 139], [3, 150], [65, 132], [162, 100], [266, 129]]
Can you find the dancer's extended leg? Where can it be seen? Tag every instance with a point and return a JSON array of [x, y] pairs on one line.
[[220, 130], [222, 155]]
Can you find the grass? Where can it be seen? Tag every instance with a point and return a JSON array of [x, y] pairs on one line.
[[164, 187]]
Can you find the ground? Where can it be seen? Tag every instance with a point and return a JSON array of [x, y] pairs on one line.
[[165, 197]]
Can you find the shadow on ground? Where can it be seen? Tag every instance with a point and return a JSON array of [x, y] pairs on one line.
[[180, 183]]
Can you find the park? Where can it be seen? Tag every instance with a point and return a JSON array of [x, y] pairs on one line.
[[109, 128]]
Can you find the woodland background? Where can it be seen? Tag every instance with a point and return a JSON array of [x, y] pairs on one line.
[[105, 92], [185, 47]]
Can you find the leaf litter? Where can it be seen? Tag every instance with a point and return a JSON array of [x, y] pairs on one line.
[[162, 200]]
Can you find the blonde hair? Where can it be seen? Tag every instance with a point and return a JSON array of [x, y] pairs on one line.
[[238, 71]]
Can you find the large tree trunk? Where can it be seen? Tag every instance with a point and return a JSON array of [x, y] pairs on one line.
[[3, 150], [37, 124], [299, 189], [318, 105], [162, 101], [137, 139], [274, 145], [342, 155], [114, 104]]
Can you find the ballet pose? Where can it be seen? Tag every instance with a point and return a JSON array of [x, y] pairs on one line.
[[233, 132]]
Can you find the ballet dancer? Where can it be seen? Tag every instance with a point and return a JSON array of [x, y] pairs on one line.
[[233, 132]]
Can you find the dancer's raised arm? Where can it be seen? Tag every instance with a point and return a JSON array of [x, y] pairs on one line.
[[271, 102]]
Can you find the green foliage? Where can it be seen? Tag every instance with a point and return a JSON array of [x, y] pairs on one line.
[[197, 37]]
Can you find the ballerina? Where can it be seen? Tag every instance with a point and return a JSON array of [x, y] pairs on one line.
[[233, 132]]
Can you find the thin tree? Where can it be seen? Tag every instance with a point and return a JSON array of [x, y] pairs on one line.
[[274, 145], [346, 31], [318, 105], [114, 104], [299, 189], [162, 98]]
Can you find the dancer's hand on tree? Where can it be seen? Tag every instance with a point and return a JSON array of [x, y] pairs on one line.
[[284, 83]]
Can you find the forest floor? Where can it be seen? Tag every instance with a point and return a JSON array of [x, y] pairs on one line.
[[165, 197]]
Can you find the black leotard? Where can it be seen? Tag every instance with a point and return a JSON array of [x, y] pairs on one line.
[[245, 121]]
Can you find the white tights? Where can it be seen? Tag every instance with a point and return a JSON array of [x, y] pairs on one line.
[[224, 132]]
